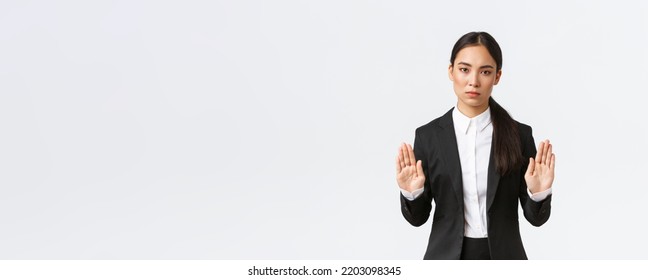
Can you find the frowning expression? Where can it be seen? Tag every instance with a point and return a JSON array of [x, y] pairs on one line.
[[473, 75]]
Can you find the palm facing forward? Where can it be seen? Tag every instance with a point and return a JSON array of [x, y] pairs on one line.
[[540, 172], [409, 171]]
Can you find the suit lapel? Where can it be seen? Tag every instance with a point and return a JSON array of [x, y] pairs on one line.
[[493, 178], [450, 153]]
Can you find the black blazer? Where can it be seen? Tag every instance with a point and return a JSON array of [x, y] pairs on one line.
[[436, 146]]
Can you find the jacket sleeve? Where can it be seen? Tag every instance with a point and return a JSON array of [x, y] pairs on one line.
[[417, 211], [537, 213]]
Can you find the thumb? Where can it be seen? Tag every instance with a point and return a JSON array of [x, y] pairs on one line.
[[530, 168], [419, 168]]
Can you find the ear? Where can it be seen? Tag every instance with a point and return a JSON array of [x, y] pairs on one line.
[[450, 73], [497, 76]]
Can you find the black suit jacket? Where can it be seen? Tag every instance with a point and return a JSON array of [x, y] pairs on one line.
[[436, 146]]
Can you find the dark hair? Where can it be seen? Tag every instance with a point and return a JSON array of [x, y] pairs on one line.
[[506, 137]]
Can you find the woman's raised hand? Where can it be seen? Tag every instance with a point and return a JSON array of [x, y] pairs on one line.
[[409, 171], [540, 172]]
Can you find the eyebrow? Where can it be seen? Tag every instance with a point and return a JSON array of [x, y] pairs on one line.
[[468, 64]]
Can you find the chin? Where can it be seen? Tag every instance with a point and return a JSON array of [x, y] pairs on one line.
[[473, 102]]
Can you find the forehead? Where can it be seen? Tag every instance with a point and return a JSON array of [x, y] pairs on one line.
[[475, 56]]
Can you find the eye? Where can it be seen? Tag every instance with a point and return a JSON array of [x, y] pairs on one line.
[[463, 69], [486, 72]]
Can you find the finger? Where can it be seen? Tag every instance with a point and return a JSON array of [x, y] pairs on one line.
[[531, 167], [419, 168], [398, 165], [405, 154], [411, 155], [544, 152], [549, 153], [538, 156], [553, 162], [401, 158]]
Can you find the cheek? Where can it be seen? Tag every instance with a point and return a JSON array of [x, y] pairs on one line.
[[458, 79], [491, 80], [486, 80]]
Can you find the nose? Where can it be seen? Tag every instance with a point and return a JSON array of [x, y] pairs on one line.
[[473, 81]]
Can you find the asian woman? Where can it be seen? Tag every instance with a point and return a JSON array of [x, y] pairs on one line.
[[477, 164]]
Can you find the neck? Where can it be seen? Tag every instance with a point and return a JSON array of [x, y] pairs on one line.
[[470, 111]]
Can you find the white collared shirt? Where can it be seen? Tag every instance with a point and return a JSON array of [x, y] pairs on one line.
[[474, 138]]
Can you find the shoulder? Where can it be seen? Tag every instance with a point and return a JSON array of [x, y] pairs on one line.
[[526, 138], [524, 129], [436, 124]]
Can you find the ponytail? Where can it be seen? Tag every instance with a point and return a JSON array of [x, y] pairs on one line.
[[506, 137], [507, 148]]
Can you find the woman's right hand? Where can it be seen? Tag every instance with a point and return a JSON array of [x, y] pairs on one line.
[[409, 171]]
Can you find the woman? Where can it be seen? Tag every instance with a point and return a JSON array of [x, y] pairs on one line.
[[476, 163]]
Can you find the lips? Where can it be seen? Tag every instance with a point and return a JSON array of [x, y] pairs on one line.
[[472, 93]]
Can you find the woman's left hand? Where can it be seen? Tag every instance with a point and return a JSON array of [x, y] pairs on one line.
[[540, 172]]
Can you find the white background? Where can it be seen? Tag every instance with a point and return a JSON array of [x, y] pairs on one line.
[[268, 129]]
